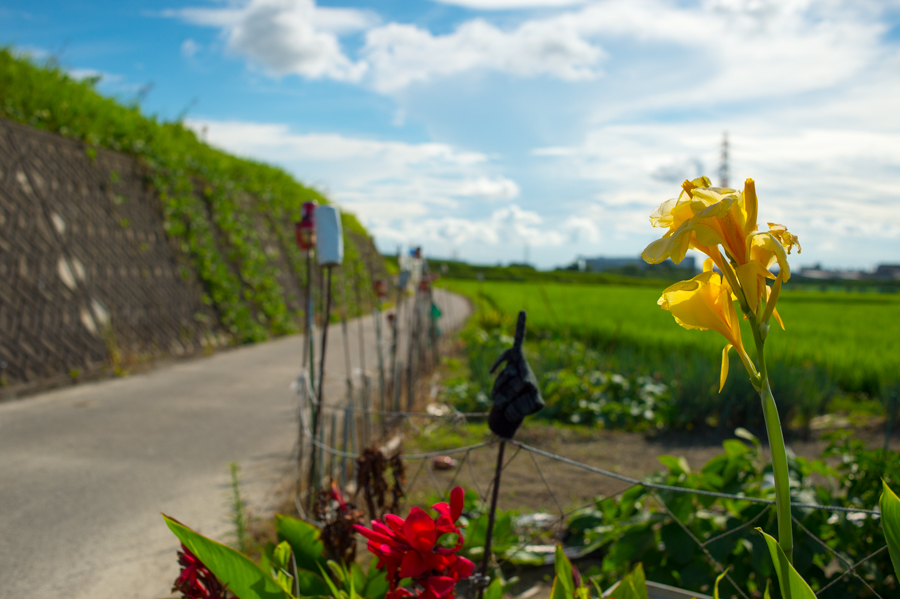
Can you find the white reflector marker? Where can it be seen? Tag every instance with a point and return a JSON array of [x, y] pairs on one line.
[[329, 236]]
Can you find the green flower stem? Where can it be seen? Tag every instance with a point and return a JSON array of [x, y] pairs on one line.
[[776, 444]]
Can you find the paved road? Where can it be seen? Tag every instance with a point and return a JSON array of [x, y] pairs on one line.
[[86, 470]]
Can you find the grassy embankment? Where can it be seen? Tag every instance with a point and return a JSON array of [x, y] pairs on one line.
[[220, 209]]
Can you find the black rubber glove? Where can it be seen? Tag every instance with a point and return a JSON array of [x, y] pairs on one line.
[[515, 393]]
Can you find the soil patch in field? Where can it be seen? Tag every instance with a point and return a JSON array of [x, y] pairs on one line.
[[522, 487]]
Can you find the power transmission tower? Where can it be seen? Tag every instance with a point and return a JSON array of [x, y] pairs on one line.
[[723, 165]]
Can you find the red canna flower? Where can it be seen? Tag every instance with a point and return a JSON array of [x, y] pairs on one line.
[[195, 580], [410, 549]]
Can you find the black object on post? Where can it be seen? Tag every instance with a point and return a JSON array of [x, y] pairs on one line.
[[515, 393]]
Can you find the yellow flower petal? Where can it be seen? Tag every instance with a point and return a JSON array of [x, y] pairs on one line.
[[767, 249], [724, 375], [704, 303], [750, 205], [772, 299], [787, 239]]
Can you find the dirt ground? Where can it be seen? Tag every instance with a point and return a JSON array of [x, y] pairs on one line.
[[631, 454]]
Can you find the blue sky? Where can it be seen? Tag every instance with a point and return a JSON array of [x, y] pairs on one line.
[[486, 129]]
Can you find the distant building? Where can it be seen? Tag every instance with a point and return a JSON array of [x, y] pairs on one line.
[[602, 263], [888, 271], [884, 271]]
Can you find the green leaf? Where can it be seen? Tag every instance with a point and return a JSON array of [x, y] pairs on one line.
[[281, 555], [494, 590], [791, 583], [304, 539], [331, 586], [633, 586], [890, 521], [376, 582], [243, 578], [735, 448], [522, 557], [677, 466], [563, 582]]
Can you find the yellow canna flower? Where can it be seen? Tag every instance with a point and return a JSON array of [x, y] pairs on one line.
[[705, 302], [705, 217]]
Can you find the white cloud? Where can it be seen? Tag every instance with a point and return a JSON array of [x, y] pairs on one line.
[[298, 37], [490, 189], [753, 48], [511, 4], [807, 91], [403, 54], [510, 226], [376, 179], [189, 48], [287, 36]]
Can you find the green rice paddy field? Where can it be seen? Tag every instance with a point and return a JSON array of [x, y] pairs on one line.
[[854, 336]]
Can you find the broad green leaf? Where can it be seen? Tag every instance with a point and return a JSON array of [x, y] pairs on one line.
[[494, 590], [633, 586], [890, 521], [358, 578], [334, 590], [791, 583], [244, 578], [376, 582], [563, 582], [310, 584], [677, 466], [735, 448], [338, 571], [304, 540], [745, 434], [521, 557], [767, 594], [281, 555], [281, 561]]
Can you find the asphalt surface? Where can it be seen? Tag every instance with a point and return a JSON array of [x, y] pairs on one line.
[[86, 470]]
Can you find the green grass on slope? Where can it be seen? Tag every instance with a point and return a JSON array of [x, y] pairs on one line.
[[238, 279], [856, 337]]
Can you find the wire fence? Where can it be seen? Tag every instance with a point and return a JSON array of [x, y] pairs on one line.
[[344, 457]]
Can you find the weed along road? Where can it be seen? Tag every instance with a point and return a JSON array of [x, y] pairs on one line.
[[85, 471]]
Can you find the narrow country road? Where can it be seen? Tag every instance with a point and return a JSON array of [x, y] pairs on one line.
[[86, 470]]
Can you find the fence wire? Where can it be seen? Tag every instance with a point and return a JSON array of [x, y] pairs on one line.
[[528, 539]]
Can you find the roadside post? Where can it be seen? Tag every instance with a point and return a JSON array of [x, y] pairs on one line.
[[380, 288], [329, 253]]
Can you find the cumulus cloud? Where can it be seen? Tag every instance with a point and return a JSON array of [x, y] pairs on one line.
[[511, 4], [489, 189], [752, 48], [510, 226], [189, 48], [287, 36], [403, 54], [376, 179]]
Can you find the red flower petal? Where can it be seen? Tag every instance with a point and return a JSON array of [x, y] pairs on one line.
[[380, 528], [395, 522], [445, 526], [371, 534], [457, 500], [412, 565], [420, 530], [464, 567], [442, 508], [441, 585]]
